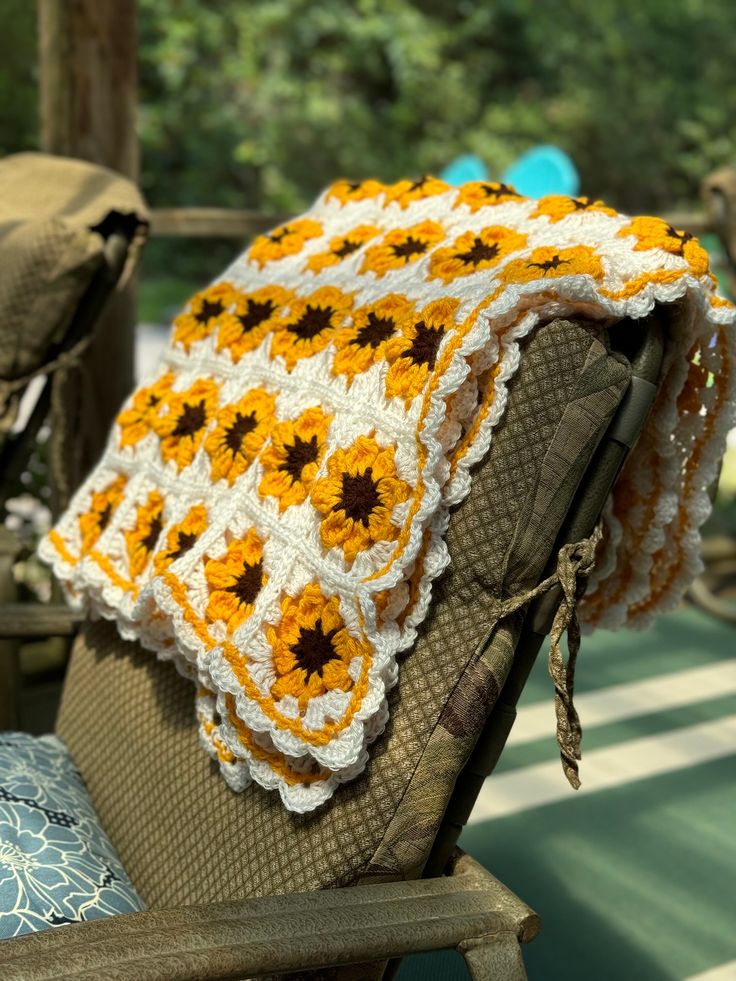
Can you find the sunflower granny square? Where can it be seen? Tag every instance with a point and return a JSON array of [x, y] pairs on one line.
[[270, 509]]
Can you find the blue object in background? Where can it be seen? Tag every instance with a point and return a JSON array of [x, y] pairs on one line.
[[467, 167], [543, 170]]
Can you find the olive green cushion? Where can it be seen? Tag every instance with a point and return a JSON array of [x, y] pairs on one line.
[[184, 837]]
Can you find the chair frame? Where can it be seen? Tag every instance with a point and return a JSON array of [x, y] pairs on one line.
[[457, 904], [118, 231], [469, 910]]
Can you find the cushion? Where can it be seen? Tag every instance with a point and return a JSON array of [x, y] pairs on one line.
[[272, 507], [49, 249], [383, 823], [57, 865]]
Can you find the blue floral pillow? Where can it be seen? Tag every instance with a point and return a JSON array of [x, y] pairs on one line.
[[57, 865]]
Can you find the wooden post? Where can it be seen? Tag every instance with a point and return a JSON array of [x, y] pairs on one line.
[[88, 94], [89, 81]]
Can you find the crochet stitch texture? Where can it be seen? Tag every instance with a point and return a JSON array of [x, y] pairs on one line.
[[270, 510]]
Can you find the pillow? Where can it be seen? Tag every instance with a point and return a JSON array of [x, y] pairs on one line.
[[57, 865]]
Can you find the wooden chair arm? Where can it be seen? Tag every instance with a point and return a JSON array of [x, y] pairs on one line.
[[470, 910], [23, 621]]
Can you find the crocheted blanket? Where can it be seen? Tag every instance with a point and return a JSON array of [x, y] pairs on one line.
[[270, 509]]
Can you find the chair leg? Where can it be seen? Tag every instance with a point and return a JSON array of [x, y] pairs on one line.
[[496, 957], [9, 669]]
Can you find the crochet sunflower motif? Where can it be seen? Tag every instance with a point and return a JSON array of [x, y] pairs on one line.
[[283, 241], [291, 460], [269, 510], [235, 580], [183, 420], [364, 342], [402, 246], [312, 648], [203, 315], [141, 539], [181, 537], [474, 251], [342, 247], [413, 355], [309, 325], [95, 520], [250, 319], [358, 496], [137, 421], [240, 432], [481, 194]]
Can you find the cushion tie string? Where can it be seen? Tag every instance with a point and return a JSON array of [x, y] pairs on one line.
[[65, 360], [574, 563]]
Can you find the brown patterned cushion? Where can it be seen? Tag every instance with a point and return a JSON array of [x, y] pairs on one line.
[[184, 837]]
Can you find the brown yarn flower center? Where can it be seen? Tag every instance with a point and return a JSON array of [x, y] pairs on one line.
[[208, 309], [236, 433], [298, 454], [256, 314], [680, 237], [346, 248], [312, 322], [154, 530], [359, 495], [376, 331], [554, 263], [425, 345], [191, 420], [186, 541], [500, 189], [409, 247], [248, 584], [315, 648], [479, 252]]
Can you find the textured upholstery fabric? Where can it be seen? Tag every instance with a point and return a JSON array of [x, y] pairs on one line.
[[57, 865], [48, 249], [185, 838], [486, 565], [46, 267]]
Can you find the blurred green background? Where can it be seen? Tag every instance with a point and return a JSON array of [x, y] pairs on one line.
[[260, 104]]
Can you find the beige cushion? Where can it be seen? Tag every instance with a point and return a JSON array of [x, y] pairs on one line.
[[49, 251]]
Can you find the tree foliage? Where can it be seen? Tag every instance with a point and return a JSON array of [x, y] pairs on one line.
[[18, 98], [261, 103]]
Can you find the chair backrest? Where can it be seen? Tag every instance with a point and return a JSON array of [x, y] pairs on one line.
[[56, 216], [128, 719], [66, 230]]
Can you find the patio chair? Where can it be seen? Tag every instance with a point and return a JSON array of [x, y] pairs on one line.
[[718, 192], [234, 884], [713, 590], [267, 912], [70, 233]]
